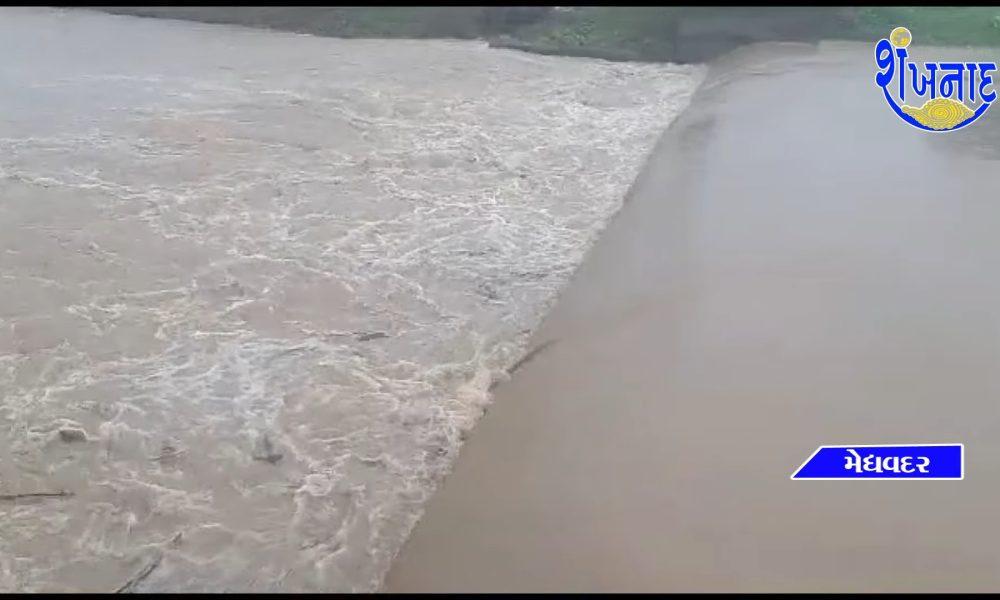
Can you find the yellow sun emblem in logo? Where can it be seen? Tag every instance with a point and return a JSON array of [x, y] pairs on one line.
[[900, 37], [940, 113]]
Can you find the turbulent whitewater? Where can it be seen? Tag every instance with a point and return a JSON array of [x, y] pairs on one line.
[[254, 286]]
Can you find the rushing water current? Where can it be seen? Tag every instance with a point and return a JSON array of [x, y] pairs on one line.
[[254, 286]]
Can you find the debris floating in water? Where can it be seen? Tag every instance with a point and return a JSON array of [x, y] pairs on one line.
[[10, 497], [264, 450], [72, 434], [138, 578], [371, 335]]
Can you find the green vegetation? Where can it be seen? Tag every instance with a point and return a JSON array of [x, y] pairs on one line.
[[689, 33], [349, 21], [958, 26], [608, 32], [626, 33], [946, 26]]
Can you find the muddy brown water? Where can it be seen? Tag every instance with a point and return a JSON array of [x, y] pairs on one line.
[[796, 267], [254, 286]]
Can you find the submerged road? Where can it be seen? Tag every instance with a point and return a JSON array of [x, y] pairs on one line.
[[795, 267]]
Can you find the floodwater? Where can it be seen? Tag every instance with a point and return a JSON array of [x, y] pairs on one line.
[[796, 267], [254, 286]]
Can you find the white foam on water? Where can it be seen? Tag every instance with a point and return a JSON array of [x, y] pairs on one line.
[[272, 277]]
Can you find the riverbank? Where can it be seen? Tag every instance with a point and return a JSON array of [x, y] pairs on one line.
[[671, 34], [783, 275]]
